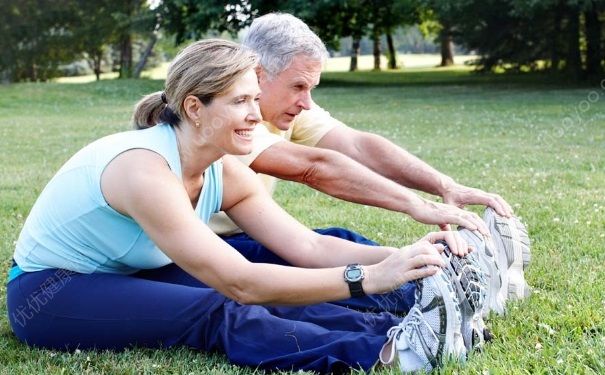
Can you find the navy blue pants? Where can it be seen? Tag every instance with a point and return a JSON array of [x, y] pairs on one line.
[[166, 307], [397, 302]]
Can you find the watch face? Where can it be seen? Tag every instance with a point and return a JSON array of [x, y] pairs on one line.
[[354, 274]]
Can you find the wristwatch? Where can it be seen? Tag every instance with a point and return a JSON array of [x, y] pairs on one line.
[[354, 275]]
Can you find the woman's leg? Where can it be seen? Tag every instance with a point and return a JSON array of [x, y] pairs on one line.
[[323, 314], [62, 310]]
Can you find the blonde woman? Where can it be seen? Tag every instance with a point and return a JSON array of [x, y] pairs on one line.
[[116, 251]]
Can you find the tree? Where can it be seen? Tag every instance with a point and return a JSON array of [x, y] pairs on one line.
[[386, 17], [441, 18], [96, 28], [594, 39], [131, 17], [519, 35], [37, 36], [190, 19]]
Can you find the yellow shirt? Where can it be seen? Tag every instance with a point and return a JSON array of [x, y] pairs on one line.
[[308, 128]]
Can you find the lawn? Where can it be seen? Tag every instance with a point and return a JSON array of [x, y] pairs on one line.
[[540, 145]]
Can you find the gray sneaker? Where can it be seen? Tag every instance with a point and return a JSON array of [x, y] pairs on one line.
[[471, 287], [430, 333], [484, 255], [512, 242]]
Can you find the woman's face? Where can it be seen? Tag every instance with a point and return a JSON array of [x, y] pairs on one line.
[[228, 121]]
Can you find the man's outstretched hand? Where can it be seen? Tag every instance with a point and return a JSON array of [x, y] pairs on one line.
[[442, 214], [461, 196]]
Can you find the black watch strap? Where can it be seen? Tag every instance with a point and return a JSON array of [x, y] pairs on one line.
[[356, 290], [354, 275]]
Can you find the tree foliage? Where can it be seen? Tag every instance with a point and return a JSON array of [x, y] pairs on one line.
[[40, 35], [519, 35]]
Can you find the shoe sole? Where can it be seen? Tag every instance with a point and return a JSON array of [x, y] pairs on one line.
[[470, 286], [516, 245], [453, 346], [484, 255]]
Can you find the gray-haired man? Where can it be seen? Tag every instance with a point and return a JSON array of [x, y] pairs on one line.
[[341, 161]]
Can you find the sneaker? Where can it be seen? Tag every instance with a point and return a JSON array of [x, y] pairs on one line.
[[484, 255], [512, 242], [430, 332], [471, 286]]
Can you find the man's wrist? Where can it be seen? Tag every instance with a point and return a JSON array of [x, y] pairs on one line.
[[445, 185]]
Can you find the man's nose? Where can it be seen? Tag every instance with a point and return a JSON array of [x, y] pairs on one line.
[[305, 100]]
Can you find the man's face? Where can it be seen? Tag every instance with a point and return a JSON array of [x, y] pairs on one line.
[[287, 94]]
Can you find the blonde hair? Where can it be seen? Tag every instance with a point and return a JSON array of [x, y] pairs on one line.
[[205, 69]]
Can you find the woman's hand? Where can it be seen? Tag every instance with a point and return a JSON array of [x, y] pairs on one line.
[[419, 260]]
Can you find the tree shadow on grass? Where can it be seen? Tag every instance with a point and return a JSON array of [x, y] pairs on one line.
[[446, 77]]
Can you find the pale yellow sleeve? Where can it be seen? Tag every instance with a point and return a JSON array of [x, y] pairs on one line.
[[263, 139], [310, 126]]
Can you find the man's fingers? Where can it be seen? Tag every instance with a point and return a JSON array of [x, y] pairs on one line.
[[445, 227], [478, 224], [507, 210]]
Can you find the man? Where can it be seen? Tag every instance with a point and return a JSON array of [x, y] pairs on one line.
[[341, 161]]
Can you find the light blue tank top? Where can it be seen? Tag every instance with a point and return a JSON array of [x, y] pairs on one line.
[[71, 226]]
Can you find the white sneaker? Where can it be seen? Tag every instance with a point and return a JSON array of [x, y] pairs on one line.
[[470, 285], [430, 333], [512, 243], [485, 256]]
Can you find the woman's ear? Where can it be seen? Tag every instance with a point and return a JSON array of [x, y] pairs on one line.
[[192, 106]]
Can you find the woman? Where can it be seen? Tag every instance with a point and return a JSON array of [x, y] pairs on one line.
[[116, 251]]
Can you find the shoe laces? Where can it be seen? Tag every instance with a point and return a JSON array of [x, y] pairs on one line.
[[411, 323]]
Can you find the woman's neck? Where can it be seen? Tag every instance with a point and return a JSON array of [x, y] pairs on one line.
[[195, 154]]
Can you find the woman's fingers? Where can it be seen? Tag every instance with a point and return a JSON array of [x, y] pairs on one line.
[[420, 273], [454, 241]]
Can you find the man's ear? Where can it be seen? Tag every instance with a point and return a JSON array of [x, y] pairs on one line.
[[260, 73]]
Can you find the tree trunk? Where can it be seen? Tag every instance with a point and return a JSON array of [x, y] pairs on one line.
[[392, 53], [33, 72], [447, 47], [97, 57], [141, 64], [555, 53], [574, 60], [593, 42], [126, 57], [98, 67], [354, 53], [376, 40]]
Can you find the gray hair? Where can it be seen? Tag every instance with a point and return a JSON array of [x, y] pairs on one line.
[[278, 37]]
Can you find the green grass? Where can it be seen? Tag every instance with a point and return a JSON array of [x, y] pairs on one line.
[[541, 146]]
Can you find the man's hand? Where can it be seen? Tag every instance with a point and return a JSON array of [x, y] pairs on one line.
[[460, 196], [445, 214]]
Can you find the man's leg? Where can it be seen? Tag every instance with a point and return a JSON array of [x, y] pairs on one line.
[[397, 302], [59, 310]]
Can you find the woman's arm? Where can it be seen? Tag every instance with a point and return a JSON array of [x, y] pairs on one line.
[[138, 183]]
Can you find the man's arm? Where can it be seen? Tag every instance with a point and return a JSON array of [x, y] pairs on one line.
[[396, 164], [338, 175]]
